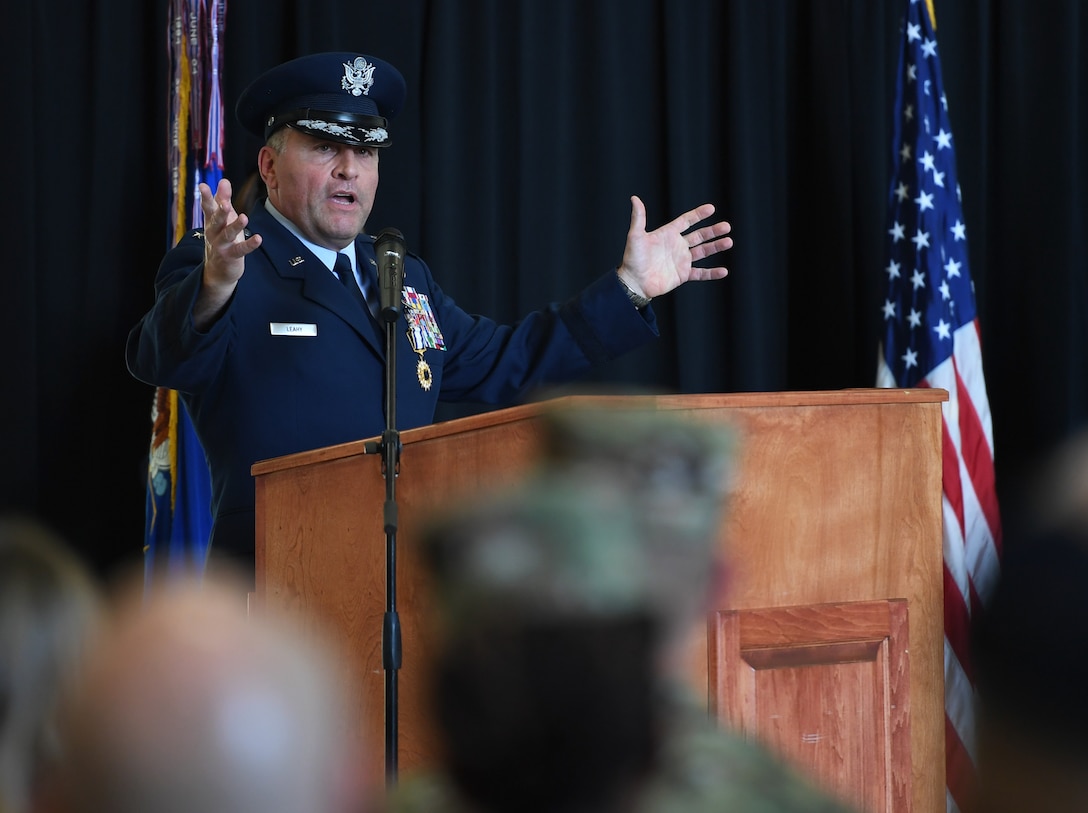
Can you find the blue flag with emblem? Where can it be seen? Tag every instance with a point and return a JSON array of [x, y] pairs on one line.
[[178, 517]]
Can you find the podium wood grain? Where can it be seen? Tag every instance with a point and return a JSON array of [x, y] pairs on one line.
[[838, 500]]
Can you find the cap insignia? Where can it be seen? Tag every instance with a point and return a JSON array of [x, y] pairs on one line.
[[328, 127], [358, 77]]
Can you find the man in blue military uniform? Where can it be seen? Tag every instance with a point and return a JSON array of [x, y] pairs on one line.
[[273, 355]]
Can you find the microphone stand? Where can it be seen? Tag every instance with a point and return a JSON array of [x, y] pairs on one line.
[[390, 278], [391, 639]]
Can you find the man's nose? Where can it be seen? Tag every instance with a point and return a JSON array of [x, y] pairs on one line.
[[347, 165]]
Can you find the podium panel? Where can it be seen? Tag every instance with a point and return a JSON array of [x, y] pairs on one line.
[[827, 687], [838, 501]]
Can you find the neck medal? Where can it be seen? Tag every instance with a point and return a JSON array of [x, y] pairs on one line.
[[423, 331]]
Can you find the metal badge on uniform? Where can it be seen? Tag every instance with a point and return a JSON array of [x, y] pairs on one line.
[[423, 331], [292, 329]]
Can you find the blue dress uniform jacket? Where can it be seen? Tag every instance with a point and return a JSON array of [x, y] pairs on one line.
[[254, 395]]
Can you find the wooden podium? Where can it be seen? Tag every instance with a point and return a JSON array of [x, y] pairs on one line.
[[829, 643]]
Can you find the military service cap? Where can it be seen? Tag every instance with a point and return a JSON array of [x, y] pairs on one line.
[[621, 517], [339, 96]]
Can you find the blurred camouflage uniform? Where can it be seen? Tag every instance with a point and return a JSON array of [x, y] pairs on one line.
[[619, 522]]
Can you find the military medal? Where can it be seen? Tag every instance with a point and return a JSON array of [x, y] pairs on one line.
[[423, 372], [423, 332]]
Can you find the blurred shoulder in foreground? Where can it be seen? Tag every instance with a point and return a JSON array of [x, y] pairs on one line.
[[1030, 660]]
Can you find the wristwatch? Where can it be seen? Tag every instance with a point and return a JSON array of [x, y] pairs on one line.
[[638, 300]]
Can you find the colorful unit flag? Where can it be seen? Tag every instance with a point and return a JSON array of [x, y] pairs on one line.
[[931, 339], [178, 513]]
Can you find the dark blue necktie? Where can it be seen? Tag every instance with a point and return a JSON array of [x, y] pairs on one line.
[[343, 270]]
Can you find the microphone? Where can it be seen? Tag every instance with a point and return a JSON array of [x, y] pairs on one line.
[[389, 246]]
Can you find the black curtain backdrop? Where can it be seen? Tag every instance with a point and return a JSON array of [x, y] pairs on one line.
[[528, 126]]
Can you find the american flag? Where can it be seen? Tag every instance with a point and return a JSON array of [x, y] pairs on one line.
[[931, 339]]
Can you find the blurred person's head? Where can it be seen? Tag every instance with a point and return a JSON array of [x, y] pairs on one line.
[[556, 600], [190, 705], [49, 605], [1058, 497]]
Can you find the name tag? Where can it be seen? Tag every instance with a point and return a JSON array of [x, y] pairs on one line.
[[291, 329]]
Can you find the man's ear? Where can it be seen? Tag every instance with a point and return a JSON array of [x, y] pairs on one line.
[[266, 165]]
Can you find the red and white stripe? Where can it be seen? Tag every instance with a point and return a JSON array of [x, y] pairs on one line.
[[972, 541]]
